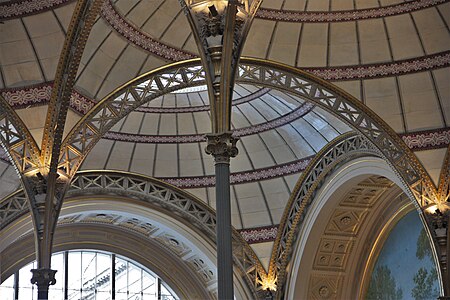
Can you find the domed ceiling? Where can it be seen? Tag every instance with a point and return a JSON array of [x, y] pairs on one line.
[[393, 55]]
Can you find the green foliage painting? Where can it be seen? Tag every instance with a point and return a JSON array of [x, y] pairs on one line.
[[383, 286], [405, 267]]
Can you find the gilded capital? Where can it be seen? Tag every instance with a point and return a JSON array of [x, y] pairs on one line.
[[222, 146]]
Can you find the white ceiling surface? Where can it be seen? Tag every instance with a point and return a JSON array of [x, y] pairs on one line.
[[30, 48]]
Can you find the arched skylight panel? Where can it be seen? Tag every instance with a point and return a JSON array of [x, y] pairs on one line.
[[88, 275]]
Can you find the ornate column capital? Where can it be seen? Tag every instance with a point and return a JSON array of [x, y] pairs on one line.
[[43, 278], [222, 146]]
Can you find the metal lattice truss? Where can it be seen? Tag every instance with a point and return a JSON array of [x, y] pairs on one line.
[[17, 141], [176, 202], [339, 151]]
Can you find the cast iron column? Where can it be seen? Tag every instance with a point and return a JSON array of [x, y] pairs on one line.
[[223, 147]]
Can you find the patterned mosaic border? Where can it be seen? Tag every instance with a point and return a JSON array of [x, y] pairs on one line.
[[427, 140], [396, 68], [40, 95], [195, 138], [139, 38], [418, 64], [242, 177], [417, 141], [259, 234], [345, 15], [16, 9]]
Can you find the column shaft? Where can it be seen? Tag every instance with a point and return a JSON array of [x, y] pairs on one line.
[[224, 235]]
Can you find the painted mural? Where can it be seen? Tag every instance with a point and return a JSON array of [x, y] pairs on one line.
[[405, 267]]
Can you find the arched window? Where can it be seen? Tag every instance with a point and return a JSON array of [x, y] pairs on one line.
[[88, 275]]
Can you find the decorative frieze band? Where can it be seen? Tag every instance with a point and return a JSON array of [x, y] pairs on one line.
[[147, 43], [396, 68], [40, 95], [427, 140], [242, 177], [259, 234], [16, 9], [413, 65], [417, 141], [345, 15], [140, 38]]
